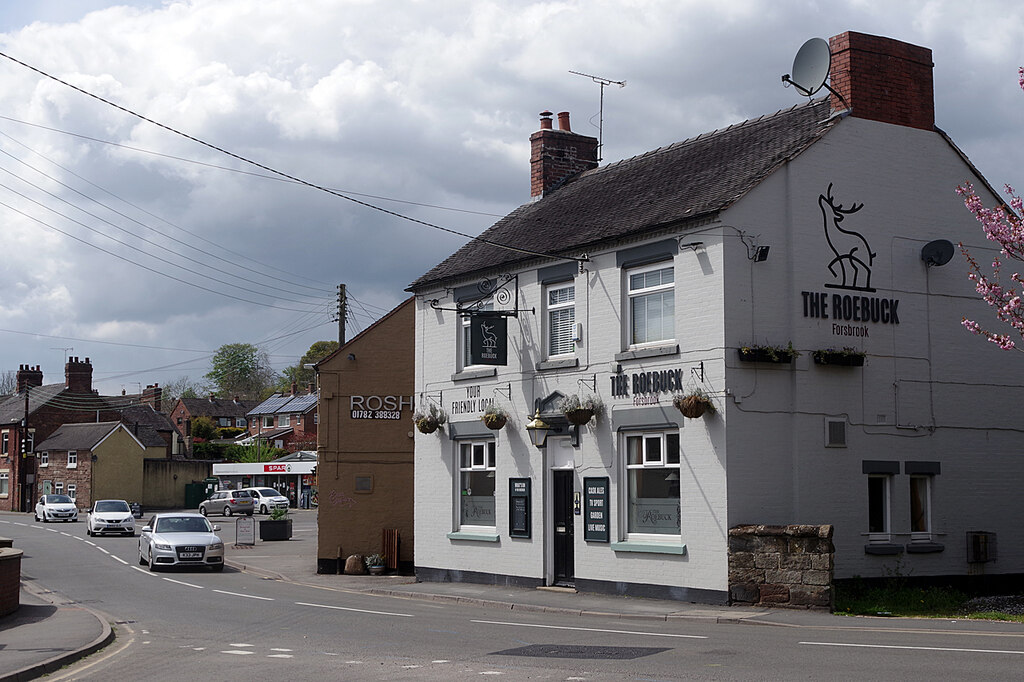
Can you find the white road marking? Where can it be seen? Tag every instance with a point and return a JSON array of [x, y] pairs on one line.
[[566, 627], [248, 596], [280, 649], [239, 653], [53, 530], [145, 572], [239, 645], [916, 648], [179, 582], [280, 656], [441, 660], [67, 534], [16, 523], [89, 543], [117, 558], [103, 550], [343, 608]]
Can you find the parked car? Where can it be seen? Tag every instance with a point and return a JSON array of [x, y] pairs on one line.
[[110, 516], [228, 502], [56, 508], [267, 500], [180, 539]]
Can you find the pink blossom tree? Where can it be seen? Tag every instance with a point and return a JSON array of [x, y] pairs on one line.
[[1004, 227]]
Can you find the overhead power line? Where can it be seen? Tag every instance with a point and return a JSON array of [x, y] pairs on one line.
[[282, 174]]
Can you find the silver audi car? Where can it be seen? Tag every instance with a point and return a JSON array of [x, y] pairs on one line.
[[180, 539]]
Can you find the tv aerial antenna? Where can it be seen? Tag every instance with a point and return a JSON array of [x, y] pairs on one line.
[[69, 348], [600, 127], [810, 69]]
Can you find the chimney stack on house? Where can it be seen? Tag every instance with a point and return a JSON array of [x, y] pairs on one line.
[[883, 79], [153, 396], [78, 375], [556, 155], [295, 388], [29, 377]]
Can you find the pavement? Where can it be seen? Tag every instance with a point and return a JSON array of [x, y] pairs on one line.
[[48, 632]]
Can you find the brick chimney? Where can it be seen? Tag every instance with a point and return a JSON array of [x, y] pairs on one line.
[[883, 79], [78, 375], [558, 154], [153, 396], [29, 377]]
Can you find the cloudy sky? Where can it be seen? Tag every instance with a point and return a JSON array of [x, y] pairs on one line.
[[146, 251]]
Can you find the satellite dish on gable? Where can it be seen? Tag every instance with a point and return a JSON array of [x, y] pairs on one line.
[[938, 252], [810, 67]]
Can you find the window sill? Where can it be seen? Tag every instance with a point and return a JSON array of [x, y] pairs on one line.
[[651, 352], [558, 364], [924, 547], [473, 537], [883, 549], [475, 374], [72, 466], [648, 547]]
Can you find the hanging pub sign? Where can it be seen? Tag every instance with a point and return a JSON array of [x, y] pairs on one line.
[[488, 339]]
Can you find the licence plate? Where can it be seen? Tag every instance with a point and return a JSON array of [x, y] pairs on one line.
[[190, 555]]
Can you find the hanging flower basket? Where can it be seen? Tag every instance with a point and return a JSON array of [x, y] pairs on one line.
[[494, 420], [692, 406], [579, 416], [427, 424]]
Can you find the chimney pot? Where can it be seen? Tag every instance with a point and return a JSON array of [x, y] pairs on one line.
[[563, 121], [556, 155], [545, 120]]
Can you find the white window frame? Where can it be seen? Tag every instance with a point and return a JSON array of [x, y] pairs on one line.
[[268, 421], [72, 459], [560, 334], [463, 344], [650, 459], [58, 488], [6, 445], [73, 490], [5, 483], [487, 463], [885, 534], [284, 420], [644, 293], [44, 459], [240, 422], [925, 535]]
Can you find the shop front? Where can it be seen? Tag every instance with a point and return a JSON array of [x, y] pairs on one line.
[[293, 476]]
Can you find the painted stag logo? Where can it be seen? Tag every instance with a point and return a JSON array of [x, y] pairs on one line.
[[490, 340], [853, 256]]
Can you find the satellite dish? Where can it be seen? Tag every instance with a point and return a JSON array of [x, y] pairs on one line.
[[938, 252], [810, 66]]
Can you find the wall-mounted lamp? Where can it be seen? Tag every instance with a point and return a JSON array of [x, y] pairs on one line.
[[538, 430], [691, 245], [760, 254]]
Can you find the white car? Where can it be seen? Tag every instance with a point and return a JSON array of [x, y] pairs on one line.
[[180, 539], [56, 508], [267, 499], [110, 516]]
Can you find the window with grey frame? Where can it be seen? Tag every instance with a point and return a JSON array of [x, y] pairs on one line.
[[477, 484], [878, 507], [652, 483], [651, 303], [561, 319]]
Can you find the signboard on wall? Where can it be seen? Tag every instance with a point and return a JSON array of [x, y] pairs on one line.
[[519, 507], [595, 504], [488, 339]]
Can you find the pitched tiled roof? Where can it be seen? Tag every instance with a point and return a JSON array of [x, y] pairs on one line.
[[690, 179], [77, 436]]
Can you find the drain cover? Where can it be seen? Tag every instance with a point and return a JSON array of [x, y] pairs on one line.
[[581, 652]]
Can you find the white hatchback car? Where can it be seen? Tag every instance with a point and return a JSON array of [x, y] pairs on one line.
[[110, 516], [180, 539], [56, 508], [267, 499]]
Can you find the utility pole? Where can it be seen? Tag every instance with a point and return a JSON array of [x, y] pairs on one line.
[[342, 311]]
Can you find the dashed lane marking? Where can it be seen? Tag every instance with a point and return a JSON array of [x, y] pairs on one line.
[[181, 582], [247, 596], [117, 558], [916, 648], [344, 608]]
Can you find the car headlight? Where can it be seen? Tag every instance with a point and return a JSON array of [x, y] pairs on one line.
[[157, 545], [217, 545]]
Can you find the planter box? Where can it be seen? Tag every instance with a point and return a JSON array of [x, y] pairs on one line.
[[765, 355], [841, 359], [276, 530]]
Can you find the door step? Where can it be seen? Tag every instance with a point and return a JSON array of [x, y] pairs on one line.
[[557, 588]]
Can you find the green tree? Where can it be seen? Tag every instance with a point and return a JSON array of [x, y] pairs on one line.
[[182, 387], [204, 427], [257, 451], [240, 369], [298, 373]]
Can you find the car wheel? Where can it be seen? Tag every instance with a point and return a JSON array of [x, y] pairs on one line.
[[227, 511], [152, 564], [217, 568], [263, 509], [142, 559], [87, 531], [202, 510]]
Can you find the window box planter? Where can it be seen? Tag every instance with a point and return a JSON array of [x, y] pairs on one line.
[[775, 354], [847, 357], [280, 529]]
